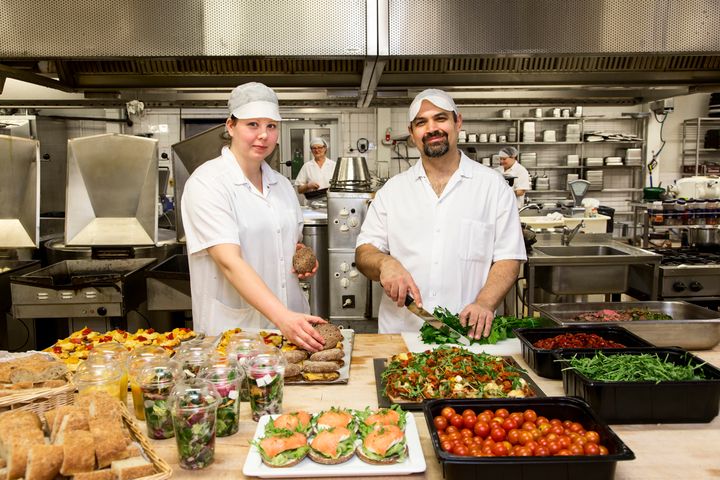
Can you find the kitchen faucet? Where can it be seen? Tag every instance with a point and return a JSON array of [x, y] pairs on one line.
[[529, 205], [568, 235]]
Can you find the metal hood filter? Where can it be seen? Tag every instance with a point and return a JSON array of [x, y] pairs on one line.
[[112, 191], [189, 155], [19, 192]]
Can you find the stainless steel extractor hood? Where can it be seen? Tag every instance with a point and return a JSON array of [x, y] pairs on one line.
[[606, 50]]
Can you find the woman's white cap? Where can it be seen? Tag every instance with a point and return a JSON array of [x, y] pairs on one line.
[[437, 97], [508, 152], [318, 141], [254, 100]]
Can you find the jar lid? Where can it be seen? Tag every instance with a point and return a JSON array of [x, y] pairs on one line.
[[112, 350], [266, 360], [93, 371], [160, 372]]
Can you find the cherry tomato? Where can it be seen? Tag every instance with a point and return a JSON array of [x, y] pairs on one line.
[[567, 423], [564, 441], [447, 412], [454, 436], [466, 432], [446, 446], [592, 449], [500, 450], [556, 429], [468, 411], [555, 421], [509, 424], [544, 428], [576, 449], [576, 427], [477, 440], [529, 426], [542, 451], [497, 434], [485, 417], [488, 412], [502, 412], [442, 437], [592, 436], [540, 420], [456, 421], [487, 451], [481, 429], [461, 450], [518, 417], [532, 445], [440, 423], [553, 447], [513, 436], [530, 416], [563, 452], [476, 452], [525, 437], [451, 429], [469, 421], [603, 450], [523, 452]]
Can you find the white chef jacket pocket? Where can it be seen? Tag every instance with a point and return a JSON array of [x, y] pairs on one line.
[[223, 317], [476, 240]]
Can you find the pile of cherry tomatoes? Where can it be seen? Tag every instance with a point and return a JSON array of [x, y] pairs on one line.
[[500, 433]]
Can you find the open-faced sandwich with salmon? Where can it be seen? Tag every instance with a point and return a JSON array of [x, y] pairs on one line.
[[282, 448], [335, 417], [382, 445], [369, 419], [332, 446], [299, 421]]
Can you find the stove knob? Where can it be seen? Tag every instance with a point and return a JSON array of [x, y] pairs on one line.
[[344, 282], [695, 286], [353, 221], [679, 287], [102, 311]]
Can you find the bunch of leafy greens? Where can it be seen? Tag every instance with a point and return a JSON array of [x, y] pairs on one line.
[[502, 328]]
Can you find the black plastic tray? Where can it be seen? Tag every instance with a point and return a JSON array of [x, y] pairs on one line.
[[542, 361], [384, 402], [523, 468], [648, 402]]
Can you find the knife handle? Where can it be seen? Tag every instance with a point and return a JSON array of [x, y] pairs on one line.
[[408, 300]]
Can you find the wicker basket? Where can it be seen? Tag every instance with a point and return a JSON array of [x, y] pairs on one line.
[[39, 400]]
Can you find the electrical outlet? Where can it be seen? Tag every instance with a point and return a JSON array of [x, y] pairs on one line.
[[164, 154]]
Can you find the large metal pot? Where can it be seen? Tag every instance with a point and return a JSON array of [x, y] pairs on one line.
[[707, 236]]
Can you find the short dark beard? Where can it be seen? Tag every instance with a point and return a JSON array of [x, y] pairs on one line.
[[436, 150]]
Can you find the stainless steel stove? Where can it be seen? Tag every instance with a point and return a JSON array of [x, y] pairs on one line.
[[685, 274]]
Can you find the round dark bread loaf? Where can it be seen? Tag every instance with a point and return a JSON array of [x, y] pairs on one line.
[[295, 356], [304, 260], [328, 355], [292, 370], [320, 367], [331, 333]]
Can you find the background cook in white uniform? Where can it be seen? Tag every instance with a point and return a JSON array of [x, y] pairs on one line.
[[313, 175], [243, 222], [510, 167], [446, 231]]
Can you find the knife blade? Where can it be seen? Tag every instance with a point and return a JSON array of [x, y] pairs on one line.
[[434, 322]]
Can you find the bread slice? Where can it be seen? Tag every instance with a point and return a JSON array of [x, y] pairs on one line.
[[71, 421], [295, 356], [320, 458], [43, 462], [79, 453], [109, 446], [287, 465], [385, 461], [331, 333], [133, 450], [17, 452], [328, 355], [293, 370], [320, 367], [104, 474], [131, 468]]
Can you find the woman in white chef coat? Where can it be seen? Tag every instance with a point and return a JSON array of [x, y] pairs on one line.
[[510, 167], [243, 224], [316, 174]]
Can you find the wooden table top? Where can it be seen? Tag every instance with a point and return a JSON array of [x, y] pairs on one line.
[[661, 451]]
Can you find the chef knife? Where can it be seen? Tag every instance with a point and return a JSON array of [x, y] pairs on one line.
[[434, 322]]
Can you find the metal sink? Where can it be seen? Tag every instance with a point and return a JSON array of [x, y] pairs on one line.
[[580, 251]]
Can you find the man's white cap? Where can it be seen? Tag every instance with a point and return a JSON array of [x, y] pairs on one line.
[[508, 152], [254, 100], [437, 97], [318, 141]]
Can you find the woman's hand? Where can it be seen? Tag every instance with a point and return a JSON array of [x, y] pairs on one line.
[[298, 328], [312, 186]]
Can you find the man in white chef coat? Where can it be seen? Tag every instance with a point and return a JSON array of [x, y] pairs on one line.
[[510, 167], [446, 231], [316, 174]]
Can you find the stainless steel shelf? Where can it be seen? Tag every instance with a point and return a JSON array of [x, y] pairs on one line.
[[552, 167]]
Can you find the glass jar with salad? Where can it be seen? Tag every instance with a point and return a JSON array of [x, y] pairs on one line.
[[241, 346], [115, 355], [227, 377], [140, 358], [156, 382], [96, 374], [266, 369], [194, 406]]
